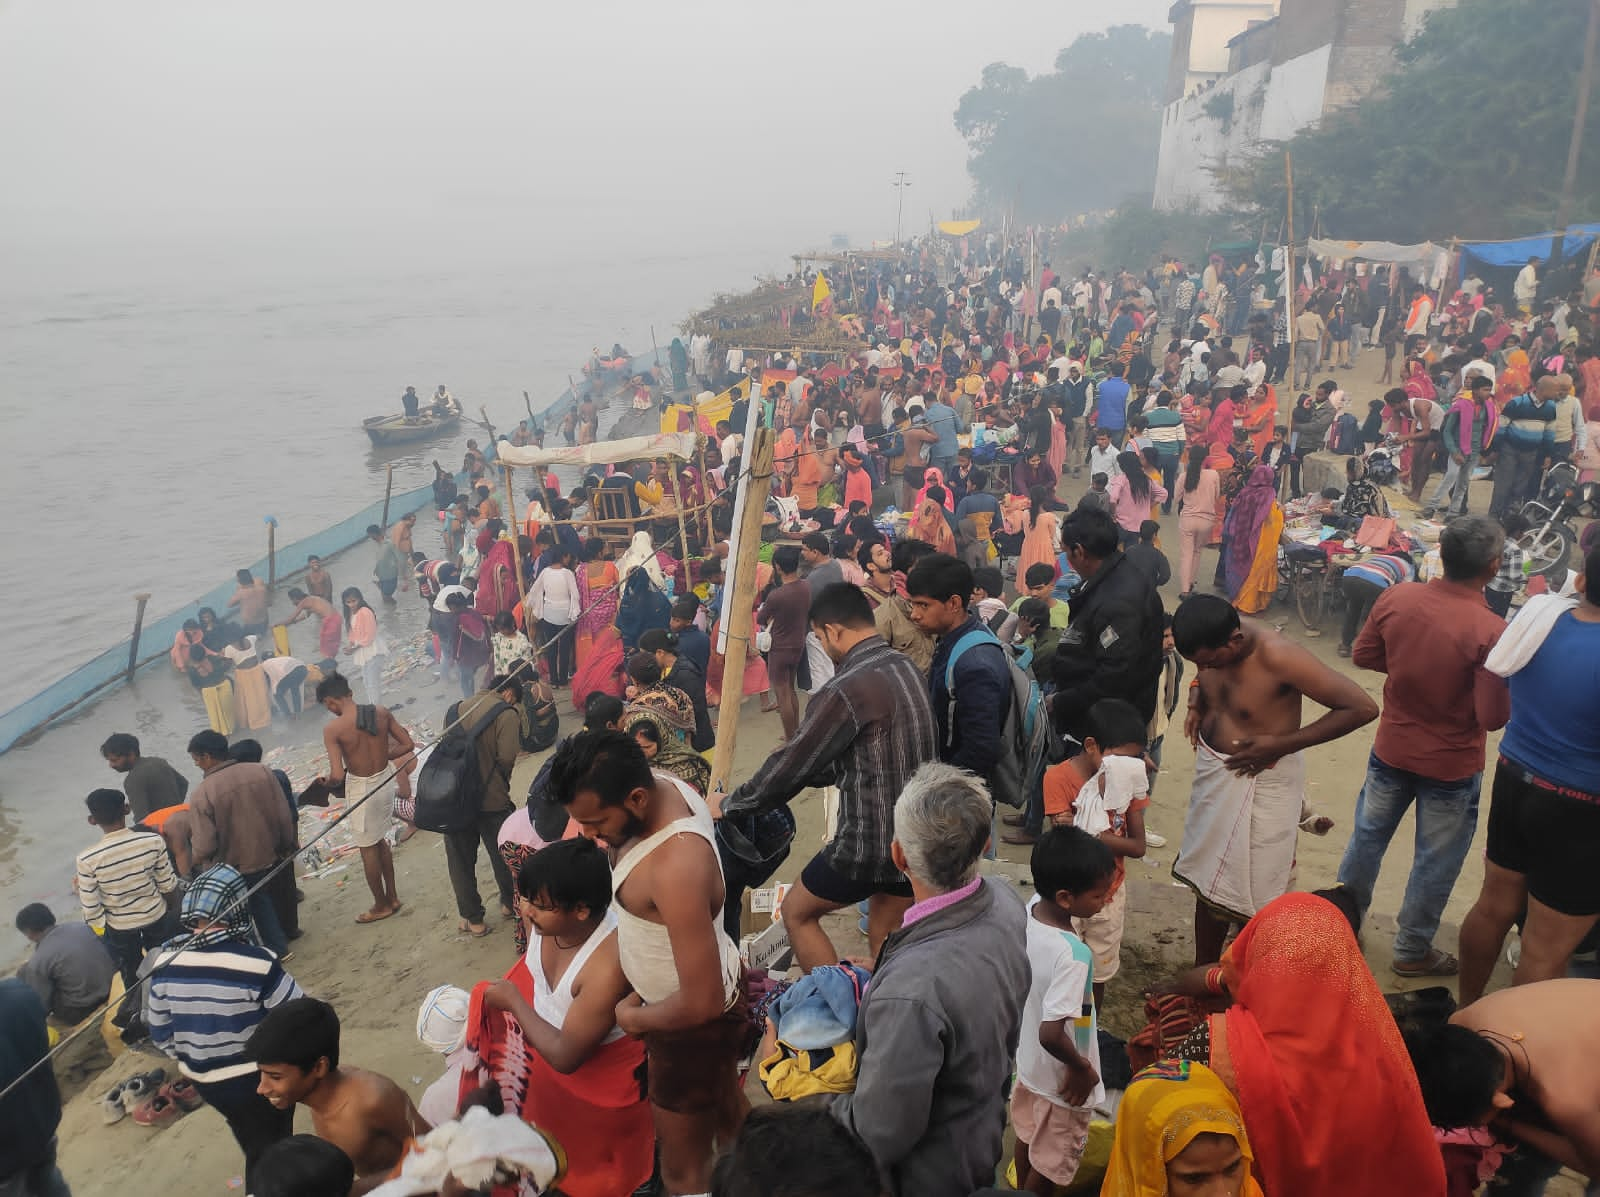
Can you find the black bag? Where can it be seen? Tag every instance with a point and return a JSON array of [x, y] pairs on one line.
[[449, 787]]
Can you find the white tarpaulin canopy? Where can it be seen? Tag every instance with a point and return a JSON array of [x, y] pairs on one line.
[[1374, 251], [632, 448]]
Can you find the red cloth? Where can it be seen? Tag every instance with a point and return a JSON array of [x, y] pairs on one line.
[[597, 1115], [1314, 1056], [497, 582]]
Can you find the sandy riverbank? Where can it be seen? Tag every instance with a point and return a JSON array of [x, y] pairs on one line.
[[376, 975]]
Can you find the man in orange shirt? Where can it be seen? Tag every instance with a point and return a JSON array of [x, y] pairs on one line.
[[813, 470]]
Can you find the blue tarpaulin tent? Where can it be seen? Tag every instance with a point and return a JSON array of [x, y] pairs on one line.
[[1515, 253]]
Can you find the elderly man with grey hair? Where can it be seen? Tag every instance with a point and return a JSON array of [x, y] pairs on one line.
[[1439, 704], [937, 1031]]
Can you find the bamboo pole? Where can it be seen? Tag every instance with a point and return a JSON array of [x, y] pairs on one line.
[[138, 626], [737, 609], [706, 536], [388, 489]]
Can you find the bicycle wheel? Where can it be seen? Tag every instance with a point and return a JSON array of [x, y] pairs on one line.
[[1310, 597]]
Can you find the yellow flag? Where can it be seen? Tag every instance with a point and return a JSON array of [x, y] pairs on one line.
[[820, 292]]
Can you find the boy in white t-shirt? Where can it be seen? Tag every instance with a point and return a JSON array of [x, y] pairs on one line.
[[1058, 1058], [1111, 806]]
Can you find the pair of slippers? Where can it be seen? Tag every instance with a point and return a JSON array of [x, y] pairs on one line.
[[150, 1100]]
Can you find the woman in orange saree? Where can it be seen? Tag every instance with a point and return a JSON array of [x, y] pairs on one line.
[[1315, 1058], [600, 671]]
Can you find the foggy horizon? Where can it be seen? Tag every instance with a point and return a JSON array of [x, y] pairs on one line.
[[182, 136]]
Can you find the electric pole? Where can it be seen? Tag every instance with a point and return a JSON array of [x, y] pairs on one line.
[[900, 183]]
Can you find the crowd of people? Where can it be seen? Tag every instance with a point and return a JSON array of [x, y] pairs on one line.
[[962, 577]]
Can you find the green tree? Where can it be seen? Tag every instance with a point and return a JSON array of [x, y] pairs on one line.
[[1081, 138], [1466, 138]]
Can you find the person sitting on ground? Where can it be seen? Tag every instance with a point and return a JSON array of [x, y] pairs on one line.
[[70, 968], [1179, 1131], [1521, 1059], [367, 1116]]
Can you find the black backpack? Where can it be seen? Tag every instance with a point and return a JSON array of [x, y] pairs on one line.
[[449, 787]]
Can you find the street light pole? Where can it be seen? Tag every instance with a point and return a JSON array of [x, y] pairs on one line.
[[900, 184]]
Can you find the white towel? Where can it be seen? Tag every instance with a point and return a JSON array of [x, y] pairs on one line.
[[1525, 633], [1239, 835], [479, 1150]]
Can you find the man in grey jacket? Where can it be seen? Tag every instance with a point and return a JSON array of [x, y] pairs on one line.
[[937, 1031]]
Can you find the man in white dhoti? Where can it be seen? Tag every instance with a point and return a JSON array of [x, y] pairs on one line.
[[1249, 780]]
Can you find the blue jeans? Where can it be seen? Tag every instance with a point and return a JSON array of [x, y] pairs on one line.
[[1447, 817]]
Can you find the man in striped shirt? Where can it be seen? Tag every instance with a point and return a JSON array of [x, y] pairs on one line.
[[1524, 445], [127, 888], [867, 731], [207, 996]]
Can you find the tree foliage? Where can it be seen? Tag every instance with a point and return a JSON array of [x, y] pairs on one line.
[[1081, 138], [1467, 137], [1136, 236]]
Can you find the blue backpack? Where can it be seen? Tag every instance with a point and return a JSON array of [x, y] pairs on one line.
[[1025, 732]]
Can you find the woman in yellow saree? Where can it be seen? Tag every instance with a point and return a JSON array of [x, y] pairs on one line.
[[1253, 528], [1179, 1131]]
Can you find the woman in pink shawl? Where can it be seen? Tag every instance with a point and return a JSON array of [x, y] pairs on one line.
[[497, 573], [189, 635], [932, 477], [1057, 456]]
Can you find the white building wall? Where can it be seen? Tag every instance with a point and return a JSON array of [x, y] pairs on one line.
[[1216, 23], [1195, 143], [1294, 95]]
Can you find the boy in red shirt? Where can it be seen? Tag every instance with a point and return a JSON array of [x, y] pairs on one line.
[[1115, 729]]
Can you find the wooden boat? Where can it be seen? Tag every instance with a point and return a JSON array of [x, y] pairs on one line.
[[398, 430]]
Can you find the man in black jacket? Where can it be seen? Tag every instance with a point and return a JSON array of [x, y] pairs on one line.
[[1112, 645]]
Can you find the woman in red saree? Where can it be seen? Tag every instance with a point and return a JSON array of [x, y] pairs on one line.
[[497, 573], [1310, 1049], [600, 670], [598, 591]]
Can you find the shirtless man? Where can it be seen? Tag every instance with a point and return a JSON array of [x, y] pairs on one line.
[[367, 1116], [1244, 721], [318, 580], [361, 742], [401, 535], [330, 631], [1522, 1059], [688, 1002]]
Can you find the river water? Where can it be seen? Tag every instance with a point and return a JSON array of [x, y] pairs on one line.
[[151, 424]]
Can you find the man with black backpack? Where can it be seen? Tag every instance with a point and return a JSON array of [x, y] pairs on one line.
[[464, 792], [971, 694]]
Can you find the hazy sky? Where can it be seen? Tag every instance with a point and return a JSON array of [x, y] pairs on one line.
[[353, 130]]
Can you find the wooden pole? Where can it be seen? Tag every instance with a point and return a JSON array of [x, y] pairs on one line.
[[705, 487], [737, 608], [683, 529], [1289, 286], [388, 488], [272, 554], [1569, 180], [138, 626], [514, 526]]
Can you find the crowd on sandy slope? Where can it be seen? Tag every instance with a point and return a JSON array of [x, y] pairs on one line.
[[961, 573]]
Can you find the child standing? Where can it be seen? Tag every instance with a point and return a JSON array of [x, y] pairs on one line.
[[1503, 587], [1058, 1058], [1112, 766]]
